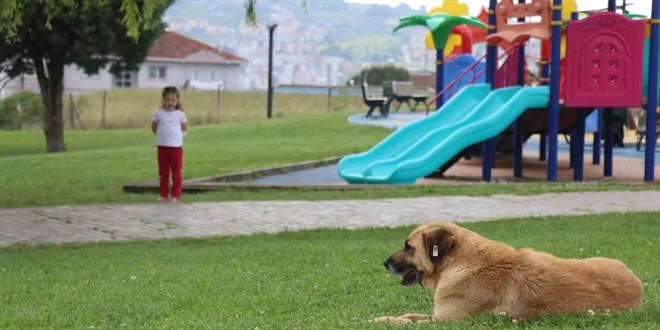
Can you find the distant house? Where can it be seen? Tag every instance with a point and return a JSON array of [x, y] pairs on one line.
[[173, 59]]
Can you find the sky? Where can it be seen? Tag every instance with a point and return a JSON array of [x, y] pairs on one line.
[[642, 7]]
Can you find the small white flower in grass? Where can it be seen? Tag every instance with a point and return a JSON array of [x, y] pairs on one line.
[[514, 321], [581, 249], [502, 313], [592, 313], [133, 278], [262, 312]]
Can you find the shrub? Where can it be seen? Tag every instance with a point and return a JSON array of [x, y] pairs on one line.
[[20, 110]]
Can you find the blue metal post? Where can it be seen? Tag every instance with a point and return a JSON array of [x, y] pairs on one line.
[[577, 142], [439, 76], [609, 122], [553, 111], [651, 105], [578, 160], [488, 148], [611, 6], [597, 137], [543, 147], [517, 125], [608, 130]]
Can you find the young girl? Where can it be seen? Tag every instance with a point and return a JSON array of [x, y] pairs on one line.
[[169, 125]]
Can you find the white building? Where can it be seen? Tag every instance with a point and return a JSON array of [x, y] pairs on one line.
[[173, 60]]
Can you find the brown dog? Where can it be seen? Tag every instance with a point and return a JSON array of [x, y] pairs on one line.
[[470, 274]]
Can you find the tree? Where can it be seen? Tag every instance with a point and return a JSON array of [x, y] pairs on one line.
[[381, 75], [46, 35]]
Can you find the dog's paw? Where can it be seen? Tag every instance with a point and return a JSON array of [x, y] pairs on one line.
[[391, 320], [417, 317]]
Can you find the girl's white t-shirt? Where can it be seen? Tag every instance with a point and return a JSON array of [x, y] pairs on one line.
[[169, 133]]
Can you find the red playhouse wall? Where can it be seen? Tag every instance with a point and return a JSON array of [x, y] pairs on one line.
[[604, 58]]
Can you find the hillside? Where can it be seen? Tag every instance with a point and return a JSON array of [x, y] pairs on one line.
[[322, 44]]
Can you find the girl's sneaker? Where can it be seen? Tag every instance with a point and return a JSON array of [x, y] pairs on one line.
[[174, 200], [162, 199]]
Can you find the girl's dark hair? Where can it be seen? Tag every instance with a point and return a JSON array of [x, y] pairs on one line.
[[173, 90]]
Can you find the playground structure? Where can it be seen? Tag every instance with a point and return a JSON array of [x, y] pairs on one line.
[[608, 64]]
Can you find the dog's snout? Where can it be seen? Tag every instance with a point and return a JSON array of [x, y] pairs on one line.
[[387, 261]]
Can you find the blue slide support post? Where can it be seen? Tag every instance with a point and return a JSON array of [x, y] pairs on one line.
[[608, 117], [609, 122], [543, 143], [439, 76], [488, 146], [517, 125], [553, 111], [597, 137], [577, 156], [651, 105]]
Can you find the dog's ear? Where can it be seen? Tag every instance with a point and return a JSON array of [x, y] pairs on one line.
[[438, 243]]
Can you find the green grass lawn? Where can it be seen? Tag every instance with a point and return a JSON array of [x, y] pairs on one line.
[[318, 279], [98, 163]]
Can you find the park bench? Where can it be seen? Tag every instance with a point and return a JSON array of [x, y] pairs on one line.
[[420, 97], [403, 92], [374, 99]]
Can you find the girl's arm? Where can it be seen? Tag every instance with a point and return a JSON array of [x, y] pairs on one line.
[[154, 126], [184, 127]]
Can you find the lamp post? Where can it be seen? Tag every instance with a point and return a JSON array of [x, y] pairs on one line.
[[269, 110]]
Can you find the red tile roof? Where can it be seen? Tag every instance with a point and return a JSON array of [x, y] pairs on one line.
[[176, 46]]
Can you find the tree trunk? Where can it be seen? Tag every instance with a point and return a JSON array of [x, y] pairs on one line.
[[50, 73]]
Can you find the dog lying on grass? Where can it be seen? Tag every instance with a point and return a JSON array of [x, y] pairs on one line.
[[470, 274]]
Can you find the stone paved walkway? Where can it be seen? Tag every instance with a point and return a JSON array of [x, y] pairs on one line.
[[115, 222]]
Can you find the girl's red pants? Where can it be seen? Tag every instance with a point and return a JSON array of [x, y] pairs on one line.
[[170, 160]]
